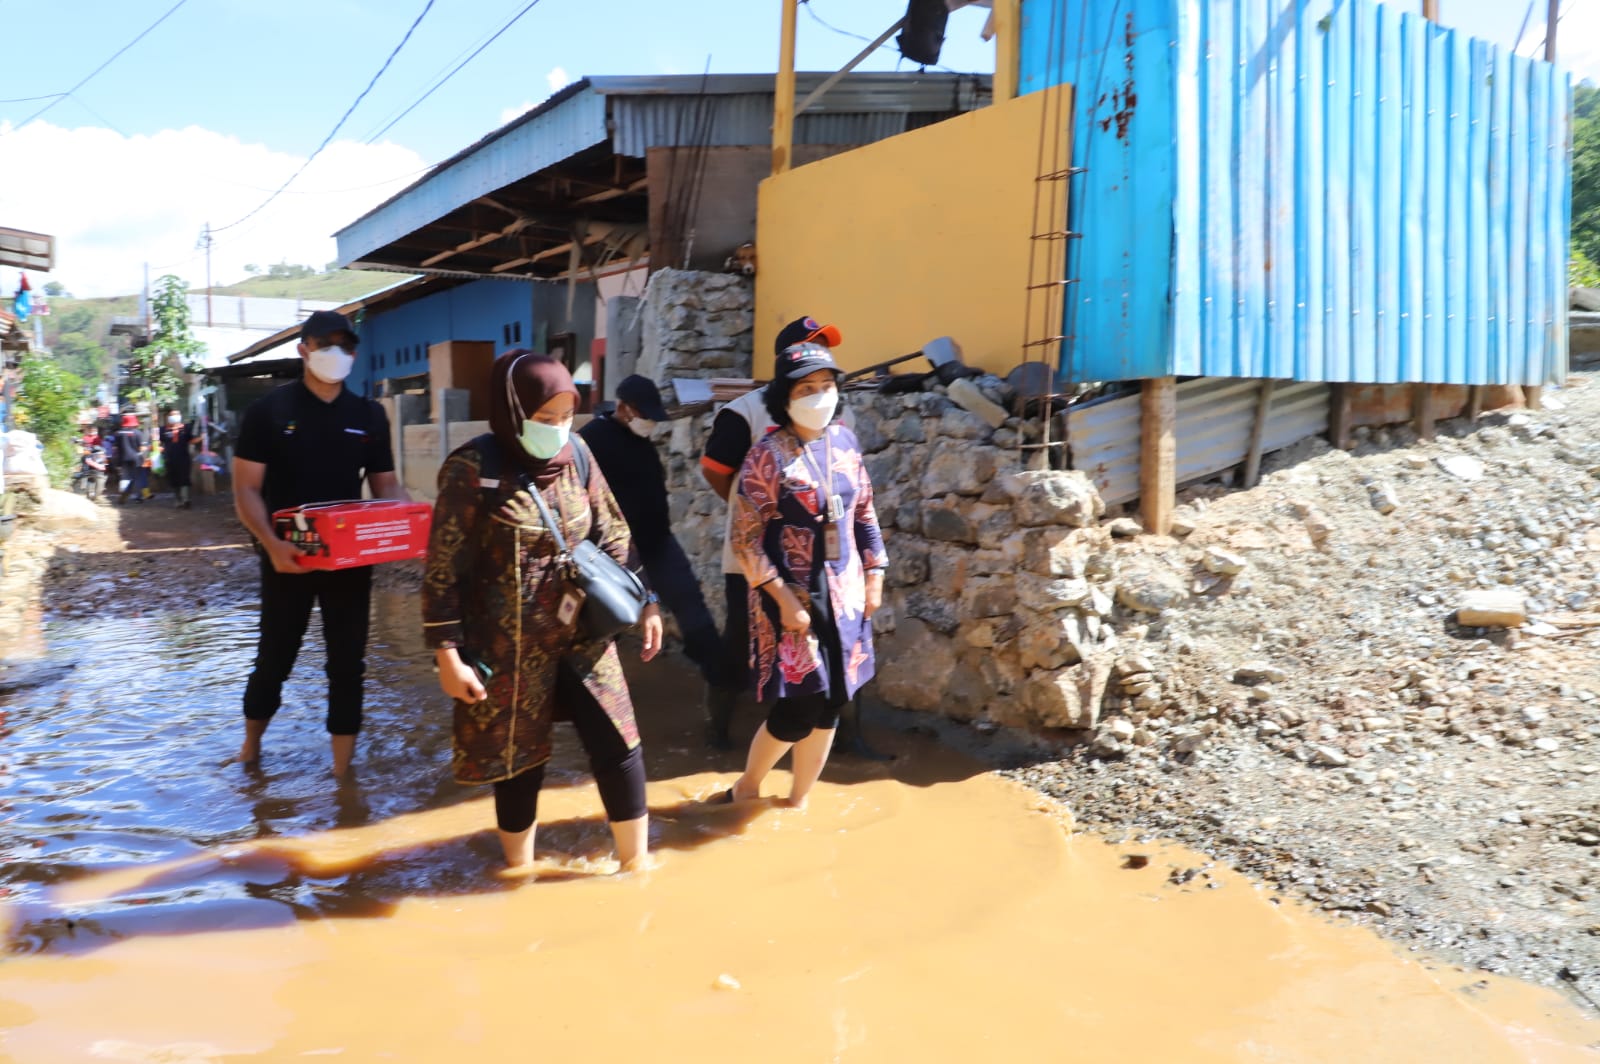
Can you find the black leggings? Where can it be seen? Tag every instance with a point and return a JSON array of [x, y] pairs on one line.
[[618, 771]]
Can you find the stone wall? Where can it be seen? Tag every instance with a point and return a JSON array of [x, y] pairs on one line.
[[998, 597], [696, 325]]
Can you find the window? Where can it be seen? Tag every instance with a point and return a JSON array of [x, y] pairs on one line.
[[519, 332]]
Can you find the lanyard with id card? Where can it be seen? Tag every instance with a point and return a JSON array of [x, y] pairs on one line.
[[833, 511]]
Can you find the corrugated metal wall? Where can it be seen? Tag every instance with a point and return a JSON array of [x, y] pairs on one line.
[[1213, 430], [1348, 193]]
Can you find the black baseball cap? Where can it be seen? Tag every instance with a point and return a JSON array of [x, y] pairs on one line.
[[642, 394], [802, 360], [326, 323], [806, 331]]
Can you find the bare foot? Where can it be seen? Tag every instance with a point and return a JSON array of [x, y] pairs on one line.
[[249, 756], [794, 803], [521, 871], [645, 862]]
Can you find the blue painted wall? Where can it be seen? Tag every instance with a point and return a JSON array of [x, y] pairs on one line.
[[508, 314], [1324, 190]]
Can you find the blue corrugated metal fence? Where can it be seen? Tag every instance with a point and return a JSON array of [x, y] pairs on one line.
[[1323, 190]]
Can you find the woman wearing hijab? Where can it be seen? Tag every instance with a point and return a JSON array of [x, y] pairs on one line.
[[807, 536], [496, 611]]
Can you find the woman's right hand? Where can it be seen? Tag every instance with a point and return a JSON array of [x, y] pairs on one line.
[[460, 682], [795, 616]]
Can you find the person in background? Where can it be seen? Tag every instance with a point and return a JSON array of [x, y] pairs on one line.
[[93, 450], [738, 426], [500, 615], [621, 444], [807, 536], [176, 440], [132, 449], [310, 441]]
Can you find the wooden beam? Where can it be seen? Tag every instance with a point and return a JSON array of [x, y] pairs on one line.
[[1158, 453], [612, 193], [488, 238], [1422, 411], [1339, 416], [1252, 455], [1475, 402], [1533, 394], [783, 99], [595, 235], [1430, 10], [833, 79], [1007, 47]]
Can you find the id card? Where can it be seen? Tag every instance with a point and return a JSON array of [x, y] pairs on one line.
[[830, 541], [571, 603]]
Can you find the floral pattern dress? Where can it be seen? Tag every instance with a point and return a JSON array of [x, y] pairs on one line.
[[778, 534], [491, 589]]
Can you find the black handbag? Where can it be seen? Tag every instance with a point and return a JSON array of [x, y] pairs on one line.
[[614, 597]]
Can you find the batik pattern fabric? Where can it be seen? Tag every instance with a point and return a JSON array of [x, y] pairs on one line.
[[783, 491], [492, 587]]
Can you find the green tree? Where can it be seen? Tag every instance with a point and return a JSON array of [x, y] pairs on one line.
[[1586, 172], [153, 370], [48, 407], [57, 290]]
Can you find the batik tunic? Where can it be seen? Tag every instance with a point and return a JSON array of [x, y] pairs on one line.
[[778, 535], [492, 588]]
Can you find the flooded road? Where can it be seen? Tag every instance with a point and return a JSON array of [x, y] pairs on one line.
[[160, 907]]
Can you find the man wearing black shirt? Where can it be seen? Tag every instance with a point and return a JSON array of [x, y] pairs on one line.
[[307, 442], [621, 445]]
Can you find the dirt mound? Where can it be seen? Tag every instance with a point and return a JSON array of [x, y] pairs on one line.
[[1316, 713]]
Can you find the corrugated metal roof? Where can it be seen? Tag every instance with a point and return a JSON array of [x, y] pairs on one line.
[[638, 113], [1329, 190], [1213, 430]]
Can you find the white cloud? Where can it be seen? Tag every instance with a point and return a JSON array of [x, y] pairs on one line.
[[558, 79], [114, 202], [512, 112]]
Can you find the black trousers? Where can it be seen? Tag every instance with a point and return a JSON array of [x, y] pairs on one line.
[[736, 632], [345, 597], [672, 577], [618, 771]]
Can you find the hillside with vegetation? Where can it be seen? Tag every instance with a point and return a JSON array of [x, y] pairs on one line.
[[288, 281]]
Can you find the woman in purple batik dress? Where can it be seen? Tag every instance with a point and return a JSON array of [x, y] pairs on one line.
[[807, 537]]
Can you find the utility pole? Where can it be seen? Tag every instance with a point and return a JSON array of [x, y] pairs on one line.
[[1430, 10], [205, 242], [1552, 19]]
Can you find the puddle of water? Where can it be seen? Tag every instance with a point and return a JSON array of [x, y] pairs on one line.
[[163, 909]]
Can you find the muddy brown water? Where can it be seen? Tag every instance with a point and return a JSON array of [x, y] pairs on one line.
[[158, 907]]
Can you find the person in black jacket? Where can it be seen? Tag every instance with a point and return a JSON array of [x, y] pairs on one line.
[[310, 441], [620, 442]]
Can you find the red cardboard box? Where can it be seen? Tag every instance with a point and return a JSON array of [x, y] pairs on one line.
[[344, 535]]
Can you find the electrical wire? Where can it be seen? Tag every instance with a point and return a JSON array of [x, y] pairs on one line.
[[805, 5], [456, 70], [443, 68], [426, 7], [87, 77], [35, 99]]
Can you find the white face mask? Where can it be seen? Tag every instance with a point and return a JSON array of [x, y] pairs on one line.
[[174, 419], [642, 427], [543, 441], [331, 364], [814, 412]]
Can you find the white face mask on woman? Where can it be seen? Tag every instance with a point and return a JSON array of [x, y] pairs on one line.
[[542, 441], [642, 427], [331, 364], [814, 412]]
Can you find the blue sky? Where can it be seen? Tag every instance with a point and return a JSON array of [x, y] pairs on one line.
[[224, 100]]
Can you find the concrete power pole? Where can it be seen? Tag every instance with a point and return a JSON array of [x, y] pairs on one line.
[[1552, 19]]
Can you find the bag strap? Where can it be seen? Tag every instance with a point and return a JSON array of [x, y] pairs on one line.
[[549, 522]]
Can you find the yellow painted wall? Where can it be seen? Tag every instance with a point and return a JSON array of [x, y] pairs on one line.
[[922, 235]]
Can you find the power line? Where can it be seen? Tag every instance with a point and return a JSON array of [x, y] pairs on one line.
[[440, 83], [35, 99], [443, 67], [805, 5], [170, 12], [426, 7]]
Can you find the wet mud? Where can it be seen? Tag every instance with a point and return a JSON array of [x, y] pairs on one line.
[[160, 907]]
